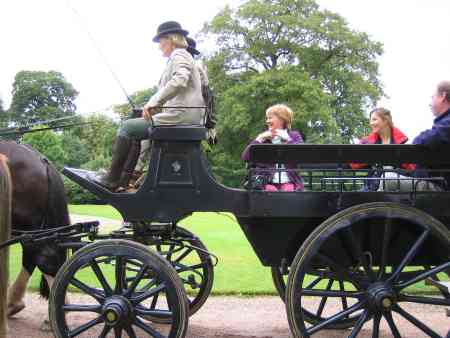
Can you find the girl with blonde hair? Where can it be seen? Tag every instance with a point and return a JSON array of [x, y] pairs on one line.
[[279, 123]]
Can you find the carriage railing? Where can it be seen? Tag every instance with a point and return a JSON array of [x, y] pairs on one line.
[[327, 167], [347, 180]]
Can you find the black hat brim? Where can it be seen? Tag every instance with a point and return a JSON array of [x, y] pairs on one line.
[[170, 31]]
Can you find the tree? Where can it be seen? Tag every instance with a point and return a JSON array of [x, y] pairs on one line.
[[97, 137], [49, 144], [138, 98], [39, 95], [288, 51], [3, 117]]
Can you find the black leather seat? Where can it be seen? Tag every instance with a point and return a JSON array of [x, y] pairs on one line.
[[178, 133]]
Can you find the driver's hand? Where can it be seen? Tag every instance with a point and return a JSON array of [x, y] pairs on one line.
[[147, 112]]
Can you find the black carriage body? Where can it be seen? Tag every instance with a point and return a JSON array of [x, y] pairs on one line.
[[275, 223]]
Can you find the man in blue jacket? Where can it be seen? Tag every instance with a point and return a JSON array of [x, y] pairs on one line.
[[439, 134]]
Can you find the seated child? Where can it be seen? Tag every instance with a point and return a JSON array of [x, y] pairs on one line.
[[279, 120]]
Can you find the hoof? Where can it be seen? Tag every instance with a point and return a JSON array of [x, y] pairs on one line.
[[45, 326], [15, 308]]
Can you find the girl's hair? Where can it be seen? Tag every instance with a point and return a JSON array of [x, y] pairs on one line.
[[385, 114], [283, 112], [178, 40]]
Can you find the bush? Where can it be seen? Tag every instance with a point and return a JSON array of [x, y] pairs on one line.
[[77, 194]]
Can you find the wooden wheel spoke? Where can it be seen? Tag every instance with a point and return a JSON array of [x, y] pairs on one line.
[[151, 331], [105, 331], [362, 319], [324, 299], [87, 289], [182, 268], [341, 272], [82, 328], [120, 275], [147, 294], [333, 319], [130, 331], [137, 279], [153, 313], [154, 301], [170, 252], [424, 300], [183, 255], [343, 298], [117, 332], [358, 255], [101, 278], [376, 325], [409, 256], [81, 308], [314, 283], [385, 248], [391, 323], [422, 276], [413, 320]]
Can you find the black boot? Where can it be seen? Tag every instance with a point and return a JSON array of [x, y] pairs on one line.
[[111, 179], [130, 163]]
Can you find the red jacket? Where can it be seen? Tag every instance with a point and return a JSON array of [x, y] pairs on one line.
[[397, 137]]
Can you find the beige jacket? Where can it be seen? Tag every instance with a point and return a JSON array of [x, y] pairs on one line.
[[179, 86]]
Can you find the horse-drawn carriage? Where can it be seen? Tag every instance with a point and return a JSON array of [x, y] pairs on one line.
[[341, 256]]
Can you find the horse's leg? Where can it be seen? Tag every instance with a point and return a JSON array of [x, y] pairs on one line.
[[16, 292], [45, 326]]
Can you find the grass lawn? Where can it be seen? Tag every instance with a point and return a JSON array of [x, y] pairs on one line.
[[239, 270]]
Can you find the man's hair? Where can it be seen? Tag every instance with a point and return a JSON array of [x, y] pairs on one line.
[[444, 88], [385, 114]]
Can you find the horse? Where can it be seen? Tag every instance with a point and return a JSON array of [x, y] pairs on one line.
[[5, 233], [38, 202]]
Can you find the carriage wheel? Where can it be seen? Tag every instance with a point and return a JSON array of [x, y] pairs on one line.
[[116, 298], [316, 276], [190, 258], [378, 282]]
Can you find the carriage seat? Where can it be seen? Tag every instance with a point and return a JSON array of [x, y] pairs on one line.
[[178, 133]]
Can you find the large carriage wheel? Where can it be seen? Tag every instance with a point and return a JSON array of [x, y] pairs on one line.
[[316, 276], [191, 260], [377, 281], [120, 282]]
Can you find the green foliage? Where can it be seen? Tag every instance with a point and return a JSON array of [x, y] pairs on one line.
[[97, 135], [3, 115], [76, 194], [39, 95], [139, 98], [75, 149], [49, 144], [288, 51]]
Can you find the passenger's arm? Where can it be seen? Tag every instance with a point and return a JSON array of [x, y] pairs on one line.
[[437, 135]]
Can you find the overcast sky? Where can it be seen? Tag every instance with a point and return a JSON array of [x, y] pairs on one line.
[[48, 35]]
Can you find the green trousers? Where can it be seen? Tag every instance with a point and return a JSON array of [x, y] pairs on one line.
[[135, 128]]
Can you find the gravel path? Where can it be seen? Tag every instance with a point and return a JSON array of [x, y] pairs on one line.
[[235, 317]]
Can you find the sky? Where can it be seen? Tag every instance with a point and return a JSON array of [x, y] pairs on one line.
[[55, 35]]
